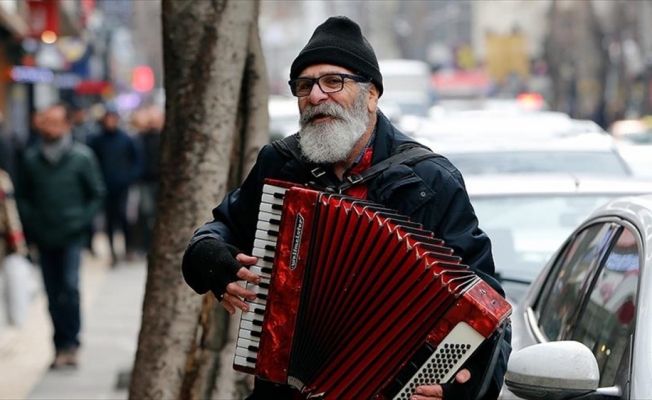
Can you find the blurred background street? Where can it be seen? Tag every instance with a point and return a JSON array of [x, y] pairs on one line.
[[112, 299], [545, 106]]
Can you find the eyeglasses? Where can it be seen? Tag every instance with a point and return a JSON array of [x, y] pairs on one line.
[[329, 83]]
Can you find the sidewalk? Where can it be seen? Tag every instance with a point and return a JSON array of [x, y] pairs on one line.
[[111, 306]]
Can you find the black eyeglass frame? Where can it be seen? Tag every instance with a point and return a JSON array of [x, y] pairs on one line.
[[293, 88]]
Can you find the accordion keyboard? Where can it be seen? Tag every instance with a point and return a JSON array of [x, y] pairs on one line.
[[251, 322]]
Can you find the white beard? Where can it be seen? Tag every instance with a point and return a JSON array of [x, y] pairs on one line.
[[332, 141]]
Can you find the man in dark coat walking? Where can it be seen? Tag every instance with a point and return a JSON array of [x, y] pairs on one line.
[[59, 192], [121, 161]]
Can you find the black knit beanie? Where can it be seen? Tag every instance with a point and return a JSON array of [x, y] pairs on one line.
[[339, 41]]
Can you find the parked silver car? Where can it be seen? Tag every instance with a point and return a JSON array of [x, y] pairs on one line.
[[584, 327], [527, 217]]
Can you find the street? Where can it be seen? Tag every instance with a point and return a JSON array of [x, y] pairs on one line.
[[111, 304]]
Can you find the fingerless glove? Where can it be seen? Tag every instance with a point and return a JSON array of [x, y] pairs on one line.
[[210, 264]]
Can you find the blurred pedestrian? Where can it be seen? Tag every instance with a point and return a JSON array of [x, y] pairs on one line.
[[16, 269], [12, 239], [83, 129], [28, 139], [148, 123], [59, 192], [33, 136], [121, 161], [8, 151]]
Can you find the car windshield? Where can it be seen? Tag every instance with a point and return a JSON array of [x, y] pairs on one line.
[[601, 163], [525, 230]]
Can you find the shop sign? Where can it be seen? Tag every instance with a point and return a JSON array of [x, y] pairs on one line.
[[43, 16]]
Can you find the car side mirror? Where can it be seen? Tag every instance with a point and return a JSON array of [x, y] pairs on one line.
[[552, 371]]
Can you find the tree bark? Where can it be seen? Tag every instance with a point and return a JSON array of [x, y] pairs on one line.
[[207, 61]]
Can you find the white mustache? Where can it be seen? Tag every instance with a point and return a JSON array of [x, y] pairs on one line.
[[331, 109]]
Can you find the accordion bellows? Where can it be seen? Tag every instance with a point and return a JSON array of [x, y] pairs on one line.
[[356, 301]]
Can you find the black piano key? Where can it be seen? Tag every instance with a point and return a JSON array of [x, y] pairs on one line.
[[257, 323], [274, 221], [272, 233], [261, 296], [278, 207], [252, 348], [255, 333], [252, 360], [409, 369], [269, 247], [259, 311], [269, 259], [279, 195], [264, 285]]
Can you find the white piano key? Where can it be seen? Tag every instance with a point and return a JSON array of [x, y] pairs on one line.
[[260, 253], [267, 226], [267, 208], [241, 361], [248, 334], [262, 243], [272, 218], [248, 325], [250, 316], [270, 199], [265, 235], [259, 271], [257, 288], [246, 343], [243, 352], [261, 302], [271, 189]]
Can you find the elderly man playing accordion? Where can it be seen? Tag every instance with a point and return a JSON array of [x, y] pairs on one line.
[[337, 81]]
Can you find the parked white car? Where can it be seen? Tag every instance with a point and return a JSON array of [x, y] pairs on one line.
[[527, 217], [584, 326], [582, 154]]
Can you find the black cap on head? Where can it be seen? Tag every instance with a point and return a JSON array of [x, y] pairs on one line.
[[339, 41]]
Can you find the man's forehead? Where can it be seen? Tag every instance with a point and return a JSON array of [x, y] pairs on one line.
[[55, 112], [321, 69]]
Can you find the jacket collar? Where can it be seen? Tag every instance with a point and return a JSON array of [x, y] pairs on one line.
[[388, 138]]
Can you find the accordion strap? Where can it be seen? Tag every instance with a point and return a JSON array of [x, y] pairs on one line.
[[409, 153]]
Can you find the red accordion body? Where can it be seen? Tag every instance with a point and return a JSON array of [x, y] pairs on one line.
[[360, 302]]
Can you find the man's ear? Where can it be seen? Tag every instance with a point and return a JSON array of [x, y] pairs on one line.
[[372, 99]]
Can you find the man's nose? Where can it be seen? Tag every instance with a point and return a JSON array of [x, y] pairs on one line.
[[316, 95]]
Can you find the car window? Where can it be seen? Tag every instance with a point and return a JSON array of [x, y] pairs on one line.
[[525, 230], [578, 162], [607, 320], [569, 276]]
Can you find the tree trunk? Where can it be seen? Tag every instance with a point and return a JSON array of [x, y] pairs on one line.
[[208, 55]]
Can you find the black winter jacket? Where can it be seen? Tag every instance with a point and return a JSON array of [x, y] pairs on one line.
[[58, 202], [431, 192]]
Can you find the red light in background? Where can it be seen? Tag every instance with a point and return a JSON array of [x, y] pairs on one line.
[[530, 101], [143, 79]]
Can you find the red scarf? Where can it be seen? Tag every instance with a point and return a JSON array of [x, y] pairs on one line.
[[360, 190]]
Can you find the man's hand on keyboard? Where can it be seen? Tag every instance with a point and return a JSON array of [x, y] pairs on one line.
[[438, 392], [235, 294]]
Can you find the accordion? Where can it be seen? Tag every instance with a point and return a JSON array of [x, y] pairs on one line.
[[357, 301]]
